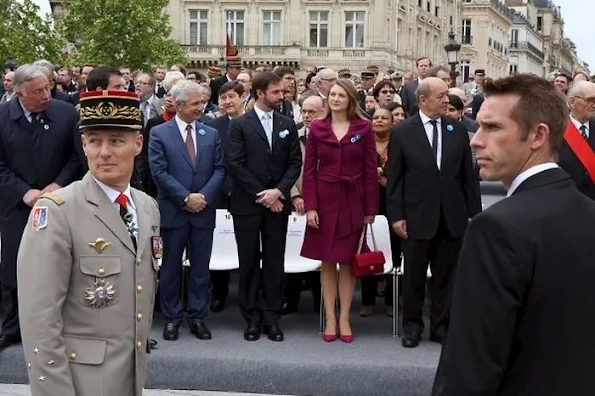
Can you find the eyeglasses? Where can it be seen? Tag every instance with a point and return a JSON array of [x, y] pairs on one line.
[[590, 100]]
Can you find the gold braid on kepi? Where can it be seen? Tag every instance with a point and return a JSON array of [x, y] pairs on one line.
[[110, 109]]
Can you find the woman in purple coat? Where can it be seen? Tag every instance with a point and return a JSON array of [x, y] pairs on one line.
[[340, 191]]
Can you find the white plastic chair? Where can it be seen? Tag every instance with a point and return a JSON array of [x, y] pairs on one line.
[[225, 250], [294, 263]]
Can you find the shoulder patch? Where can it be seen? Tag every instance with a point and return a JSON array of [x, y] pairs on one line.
[[58, 200]]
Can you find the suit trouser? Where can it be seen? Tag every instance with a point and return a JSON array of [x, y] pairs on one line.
[[370, 283], [9, 311], [442, 253], [220, 284], [199, 243], [261, 295]]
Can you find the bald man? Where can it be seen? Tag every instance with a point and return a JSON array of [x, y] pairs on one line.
[[432, 193]]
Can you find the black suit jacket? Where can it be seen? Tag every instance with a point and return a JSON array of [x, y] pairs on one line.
[[418, 192], [221, 124], [574, 167], [32, 156], [476, 103], [408, 98], [254, 167], [159, 90], [524, 282], [216, 85]]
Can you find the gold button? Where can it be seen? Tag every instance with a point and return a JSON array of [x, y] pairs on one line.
[[139, 345], [138, 260], [139, 317], [101, 271], [139, 288], [73, 356]]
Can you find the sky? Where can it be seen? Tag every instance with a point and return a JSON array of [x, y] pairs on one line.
[[578, 26]]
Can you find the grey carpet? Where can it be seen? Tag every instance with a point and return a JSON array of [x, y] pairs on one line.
[[304, 365]]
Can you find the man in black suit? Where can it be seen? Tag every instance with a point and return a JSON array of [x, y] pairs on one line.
[[36, 157], [232, 102], [408, 96], [581, 102], [288, 83], [233, 66], [126, 75], [432, 193], [264, 161], [522, 313]]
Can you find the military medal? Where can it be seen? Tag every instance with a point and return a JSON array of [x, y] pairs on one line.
[[99, 245], [100, 293], [40, 218], [157, 244]]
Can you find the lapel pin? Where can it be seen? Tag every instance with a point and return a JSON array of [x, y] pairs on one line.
[[201, 132], [450, 128], [99, 245], [46, 127], [283, 133], [355, 138], [154, 228]]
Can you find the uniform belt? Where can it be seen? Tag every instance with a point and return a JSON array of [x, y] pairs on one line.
[[351, 214]]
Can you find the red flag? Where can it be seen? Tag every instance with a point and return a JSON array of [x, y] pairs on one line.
[[230, 50]]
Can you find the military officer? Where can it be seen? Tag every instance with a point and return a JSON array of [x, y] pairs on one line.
[[87, 265]]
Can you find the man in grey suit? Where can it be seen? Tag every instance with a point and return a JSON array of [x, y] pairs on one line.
[[87, 265], [408, 96], [186, 162]]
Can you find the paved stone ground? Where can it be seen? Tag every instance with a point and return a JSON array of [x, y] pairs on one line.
[[23, 390]]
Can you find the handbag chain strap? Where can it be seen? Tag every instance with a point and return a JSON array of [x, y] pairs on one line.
[[361, 238]]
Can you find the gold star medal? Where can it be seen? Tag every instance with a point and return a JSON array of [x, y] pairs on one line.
[[100, 293]]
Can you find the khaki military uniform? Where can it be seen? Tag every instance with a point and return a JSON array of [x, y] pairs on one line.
[[73, 344]]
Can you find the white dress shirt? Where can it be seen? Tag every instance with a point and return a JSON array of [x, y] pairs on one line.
[[267, 124], [527, 173], [425, 120], [182, 128], [112, 195], [578, 126]]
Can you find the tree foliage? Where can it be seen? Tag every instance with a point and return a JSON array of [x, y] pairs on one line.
[[25, 36], [120, 32]]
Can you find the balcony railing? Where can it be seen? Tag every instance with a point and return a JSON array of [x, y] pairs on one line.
[[276, 52], [526, 46]]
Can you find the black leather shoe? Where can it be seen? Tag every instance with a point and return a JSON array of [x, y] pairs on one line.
[[201, 331], [8, 340], [217, 304], [253, 330], [273, 331], [170, 333], [410, 341], [286, 309]]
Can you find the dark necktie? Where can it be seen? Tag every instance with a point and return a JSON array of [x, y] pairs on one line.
[[583, 129], [190, 144], [435, 137], [126, 216], [33, 118]]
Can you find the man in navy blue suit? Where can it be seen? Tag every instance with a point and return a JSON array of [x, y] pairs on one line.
[[186, 161], [37, 156]]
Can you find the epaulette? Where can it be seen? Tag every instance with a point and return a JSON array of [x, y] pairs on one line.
[[53, 197]]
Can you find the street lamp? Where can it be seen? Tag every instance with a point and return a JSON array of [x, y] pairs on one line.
[[452, 49]]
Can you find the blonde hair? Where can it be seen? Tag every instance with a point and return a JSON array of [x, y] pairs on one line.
[[353, 108]]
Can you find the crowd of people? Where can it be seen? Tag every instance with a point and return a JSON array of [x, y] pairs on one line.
[[137, 164]]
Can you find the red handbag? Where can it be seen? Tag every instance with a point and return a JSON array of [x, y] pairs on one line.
[[367, 263]]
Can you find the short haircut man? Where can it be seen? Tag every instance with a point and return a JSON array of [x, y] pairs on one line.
[[524, 258], [232, 86], [99, 78]]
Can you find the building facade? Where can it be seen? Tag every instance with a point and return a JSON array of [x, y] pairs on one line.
[[335, 33], [525, 48], [484, 36]]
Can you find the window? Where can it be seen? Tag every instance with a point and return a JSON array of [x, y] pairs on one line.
[[436, 10], [514, 38], [199, 26], [451, 20], [513, 69], [271, 27], [467, 38], [235, 20], [354, 29], [419, 3], [465, 70], [539, 22], [318, 29]]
